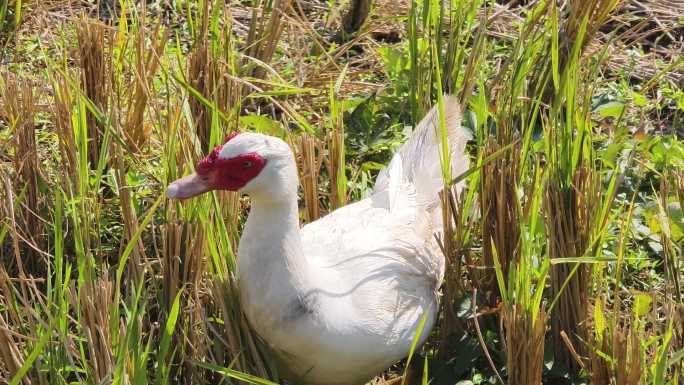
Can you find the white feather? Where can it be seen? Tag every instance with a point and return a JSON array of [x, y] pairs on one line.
[[340, 300]]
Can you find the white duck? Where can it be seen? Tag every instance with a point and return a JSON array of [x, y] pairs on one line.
[[340, 299]]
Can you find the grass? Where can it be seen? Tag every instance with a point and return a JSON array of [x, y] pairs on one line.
[[563, 251]]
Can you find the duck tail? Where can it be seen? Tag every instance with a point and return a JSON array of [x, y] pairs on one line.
[[418, 160]]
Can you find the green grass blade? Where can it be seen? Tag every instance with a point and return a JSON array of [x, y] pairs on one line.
[[235, 374], [166, 338], [414, 343], [496, 155], [134, 239], [37, 350]]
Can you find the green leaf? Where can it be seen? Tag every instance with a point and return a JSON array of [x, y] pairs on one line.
[[669, 221], [168, 333], [639, 99], [340, 79], [558, 261], [425, 380], [676, 358], [599, 319], [642, 305], [659, 367], [499, 273], [37, 350], [610, 109], [416, 338], [17, 13], [235, 374], [478, 378], [263, 124], [497, 154], [554, 46]]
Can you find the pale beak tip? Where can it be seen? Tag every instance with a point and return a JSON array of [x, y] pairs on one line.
[[172, 191], [187, 187]]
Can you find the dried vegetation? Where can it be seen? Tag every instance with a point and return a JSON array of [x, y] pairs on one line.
[[563, 252]]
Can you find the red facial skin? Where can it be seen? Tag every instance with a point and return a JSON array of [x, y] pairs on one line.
[[229, 174]]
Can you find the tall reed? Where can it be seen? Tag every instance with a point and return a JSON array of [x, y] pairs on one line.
[[26, 207], [95, 65]]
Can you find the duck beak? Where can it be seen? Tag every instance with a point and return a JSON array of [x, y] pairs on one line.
[[187, 187]]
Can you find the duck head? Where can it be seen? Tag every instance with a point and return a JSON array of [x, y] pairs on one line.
[[253, 164]]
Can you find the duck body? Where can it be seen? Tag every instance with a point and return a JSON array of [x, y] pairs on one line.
[[359, 281], [341, 299], [357, 310]]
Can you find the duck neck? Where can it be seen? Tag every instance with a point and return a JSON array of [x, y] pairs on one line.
[[272, 267]]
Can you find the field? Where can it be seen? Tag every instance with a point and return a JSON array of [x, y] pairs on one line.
[[564, 251]]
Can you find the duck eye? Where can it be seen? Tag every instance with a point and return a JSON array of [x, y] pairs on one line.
[[247, 164]]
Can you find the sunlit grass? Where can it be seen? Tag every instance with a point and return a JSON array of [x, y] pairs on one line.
[[563, 250]]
